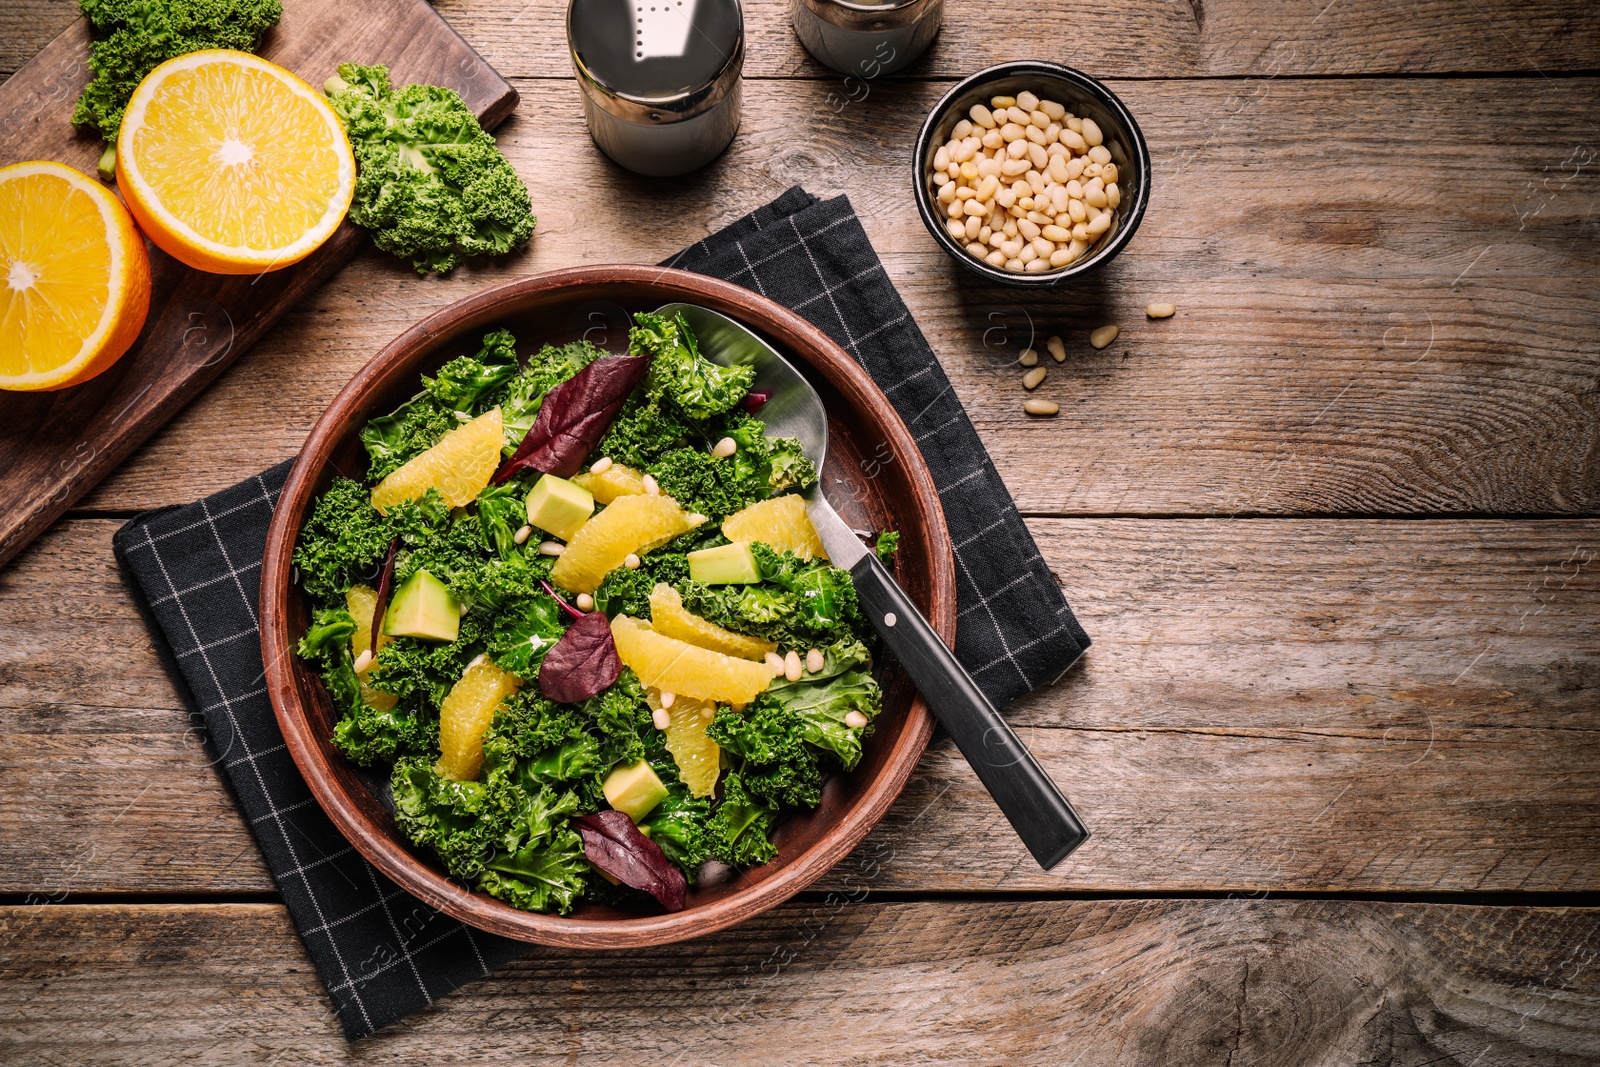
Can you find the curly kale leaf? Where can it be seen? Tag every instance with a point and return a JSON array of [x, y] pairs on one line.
[[133, 37], [887, 544], [540, 876], [738, 828], [800, 604], [678, 825], [432, 185], [693, 384], [642, 432], [778, 766], [345, 538], [462, 390], [514, 843], [525, 633], [717, 487]]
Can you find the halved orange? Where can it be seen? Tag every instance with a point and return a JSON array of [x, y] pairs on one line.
[[686, 670], [232, 164], [74, 277]]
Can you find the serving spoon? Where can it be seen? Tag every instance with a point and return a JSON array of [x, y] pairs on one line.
[[1027, 797]]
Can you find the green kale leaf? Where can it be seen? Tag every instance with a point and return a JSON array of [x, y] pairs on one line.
[[432, 185], [133, 37], [693, 384], [738, 828]]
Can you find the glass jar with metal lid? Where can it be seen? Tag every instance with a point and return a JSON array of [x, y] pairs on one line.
[[863, 38], [660, 79]]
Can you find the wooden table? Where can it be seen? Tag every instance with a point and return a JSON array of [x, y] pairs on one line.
[[1335, 529]]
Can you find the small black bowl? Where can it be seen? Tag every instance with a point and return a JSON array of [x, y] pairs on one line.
[[1081, 95]]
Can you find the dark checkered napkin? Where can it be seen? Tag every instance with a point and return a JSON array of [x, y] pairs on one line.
[[1014, 630], [195, 571]]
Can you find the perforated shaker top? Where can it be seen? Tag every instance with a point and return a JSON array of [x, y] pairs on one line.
[[654, 49]]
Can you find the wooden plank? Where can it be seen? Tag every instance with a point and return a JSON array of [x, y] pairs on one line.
[[1145, 39], [1269, 705], [1090, 983], [57, 445], [1398, 338]]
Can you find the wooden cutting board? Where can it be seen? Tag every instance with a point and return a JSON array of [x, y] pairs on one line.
[[54, 447]]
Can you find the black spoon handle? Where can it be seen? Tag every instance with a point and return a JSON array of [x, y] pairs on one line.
[[1026, 795]]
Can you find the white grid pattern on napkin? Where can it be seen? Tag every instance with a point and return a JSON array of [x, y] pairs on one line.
[[201, 584]]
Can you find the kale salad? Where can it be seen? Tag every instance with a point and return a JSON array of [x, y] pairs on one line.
[[577, 614]]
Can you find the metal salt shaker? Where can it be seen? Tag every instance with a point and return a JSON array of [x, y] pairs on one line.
[[660, 79], [866, 39]]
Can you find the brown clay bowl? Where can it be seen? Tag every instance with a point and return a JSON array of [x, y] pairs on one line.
[[864, 434]]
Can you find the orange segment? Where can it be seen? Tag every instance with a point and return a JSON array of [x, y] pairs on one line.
[[699, 758], [780, 522], [459, 465], [628, 524], [232, 164], [74, 277], [669, 617], [466, 714], [686, 670], [616, 480], [361, 601]]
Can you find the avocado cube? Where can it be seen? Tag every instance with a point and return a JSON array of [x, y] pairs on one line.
[[731, 564], [423, 607], [633, 789], [559, 506]]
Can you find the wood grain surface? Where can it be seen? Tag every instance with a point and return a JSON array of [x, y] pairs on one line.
[[57, 445], [1334, 528], [1308, 983], [1400, 340], [1269, 705], [1142, 39]]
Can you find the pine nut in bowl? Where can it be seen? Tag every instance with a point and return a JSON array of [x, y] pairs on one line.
[[1030, 173]]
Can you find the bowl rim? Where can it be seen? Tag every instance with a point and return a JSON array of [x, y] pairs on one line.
[[1091, 86], [436, 888]]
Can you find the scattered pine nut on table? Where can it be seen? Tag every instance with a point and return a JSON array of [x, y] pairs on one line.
[[1161, 311], [1104, 335]]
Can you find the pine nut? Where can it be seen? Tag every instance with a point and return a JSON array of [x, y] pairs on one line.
[[551, 548], [1161, 311], [1100, 224], [1058, 350], [1026, 101], [1104, 336], [774, 663], [973, 227], [660, 717], [814, 661], [791, 665], [364, 660], [1003, 101], [982, 116], [651, 486], [1029, 358], [603, 464], [1100, 154], [1091, 133], [1061, 257], [630, 561], [996, 258], [1037, 266], [961, 130], [666, 699], [1035, 405], [522, 534], [585, 602], [941, 158], [855, 720], [1053, 109], [1032, 379]]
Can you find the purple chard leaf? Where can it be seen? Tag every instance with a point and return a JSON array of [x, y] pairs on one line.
[[574, 416], [385, 589], [614, 845], [582, 663]]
